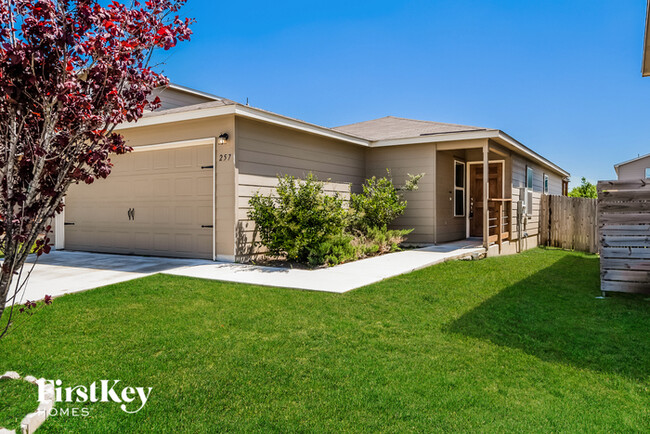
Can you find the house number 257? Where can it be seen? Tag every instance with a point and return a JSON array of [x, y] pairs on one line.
[[225, 157]]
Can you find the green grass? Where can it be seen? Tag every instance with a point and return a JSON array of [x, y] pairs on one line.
[[515, 343], [17, 399]]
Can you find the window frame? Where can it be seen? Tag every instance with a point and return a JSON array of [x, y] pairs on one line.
[[647, 172], [463, 188], [545, 183], [532, 178]]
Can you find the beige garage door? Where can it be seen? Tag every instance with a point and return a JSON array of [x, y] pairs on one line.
[[155, 202]]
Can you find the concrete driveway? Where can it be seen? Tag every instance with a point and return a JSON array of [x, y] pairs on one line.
[[63, 272]]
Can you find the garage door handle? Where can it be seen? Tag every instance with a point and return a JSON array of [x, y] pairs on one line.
[[207, 226], [68, 224]]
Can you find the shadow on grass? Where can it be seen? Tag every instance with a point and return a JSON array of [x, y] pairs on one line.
[[555, 316]]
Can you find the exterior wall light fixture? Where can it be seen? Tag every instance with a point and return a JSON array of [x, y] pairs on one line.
[[222, 139]]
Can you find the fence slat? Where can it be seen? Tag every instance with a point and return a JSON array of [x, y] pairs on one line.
[[569, 223], [624, 235], [626, 241], [625, 264], [630, 287]]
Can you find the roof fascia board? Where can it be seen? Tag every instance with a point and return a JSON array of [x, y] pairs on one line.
[[530, 153], [436, 138]]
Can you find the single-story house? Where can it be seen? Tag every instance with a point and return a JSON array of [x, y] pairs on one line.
[[636, 168], [184, 190]]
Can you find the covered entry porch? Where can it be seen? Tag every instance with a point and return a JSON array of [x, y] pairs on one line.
[[474, 193]]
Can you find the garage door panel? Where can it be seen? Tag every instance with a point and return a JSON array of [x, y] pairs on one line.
[[172, 198], [183, 187], [161, 160], [182, 158], [161, 242], [204, 186], [204, 241], [142, 161], [161, 187], [183, 217], [205, 156], [161, 215], [204, 215], [143, 241], [184, 243]]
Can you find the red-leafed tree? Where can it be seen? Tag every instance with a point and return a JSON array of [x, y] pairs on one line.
[[70, 71]]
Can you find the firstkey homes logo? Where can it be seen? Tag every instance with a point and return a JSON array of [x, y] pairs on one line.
[[130, 399]]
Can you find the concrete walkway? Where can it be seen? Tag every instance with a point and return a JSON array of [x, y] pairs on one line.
[[339, 279], [63, 272]]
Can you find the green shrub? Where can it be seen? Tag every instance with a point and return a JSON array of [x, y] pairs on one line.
[[382, 240], [380, 203], [300, 222]]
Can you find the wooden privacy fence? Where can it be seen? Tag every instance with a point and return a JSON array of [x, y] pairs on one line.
[[569, 223], [624, 226]]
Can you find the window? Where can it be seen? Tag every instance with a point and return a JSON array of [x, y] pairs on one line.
[[529, 177], [545, 183], [647, 173], [459, 189]]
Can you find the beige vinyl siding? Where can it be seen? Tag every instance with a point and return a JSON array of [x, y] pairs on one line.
[[634, 170], [519, 163], [172, 98], [402, 160], [225, 171], [265, 151]]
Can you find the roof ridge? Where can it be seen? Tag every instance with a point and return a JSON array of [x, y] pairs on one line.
[[435, 122], [411, 120]]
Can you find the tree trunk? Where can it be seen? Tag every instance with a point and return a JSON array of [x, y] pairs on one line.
[[5, 284]]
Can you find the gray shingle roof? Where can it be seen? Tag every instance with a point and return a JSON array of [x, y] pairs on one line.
[[391, 127], [188, 108]]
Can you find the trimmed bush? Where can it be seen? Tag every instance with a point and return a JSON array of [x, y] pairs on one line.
[[380, 203], [300, 220], [303, 224]]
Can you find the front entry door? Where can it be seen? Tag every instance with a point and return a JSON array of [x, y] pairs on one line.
[[476, 205]]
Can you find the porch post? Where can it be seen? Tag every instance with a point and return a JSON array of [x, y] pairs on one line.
[[435, 193], [486, 195]]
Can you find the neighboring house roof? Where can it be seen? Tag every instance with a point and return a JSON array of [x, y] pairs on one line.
[[641, 157], [646, 44], [387, 131], [188, 108], [191, 91], [391, 127]]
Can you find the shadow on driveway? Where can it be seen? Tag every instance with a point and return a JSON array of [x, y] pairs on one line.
[[105, 261]]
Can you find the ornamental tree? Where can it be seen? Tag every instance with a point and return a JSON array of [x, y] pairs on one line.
[[70, 71]]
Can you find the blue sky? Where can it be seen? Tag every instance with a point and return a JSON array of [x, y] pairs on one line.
[[563, 77]]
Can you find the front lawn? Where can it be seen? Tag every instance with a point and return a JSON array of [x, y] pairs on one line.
[[515, 343]]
